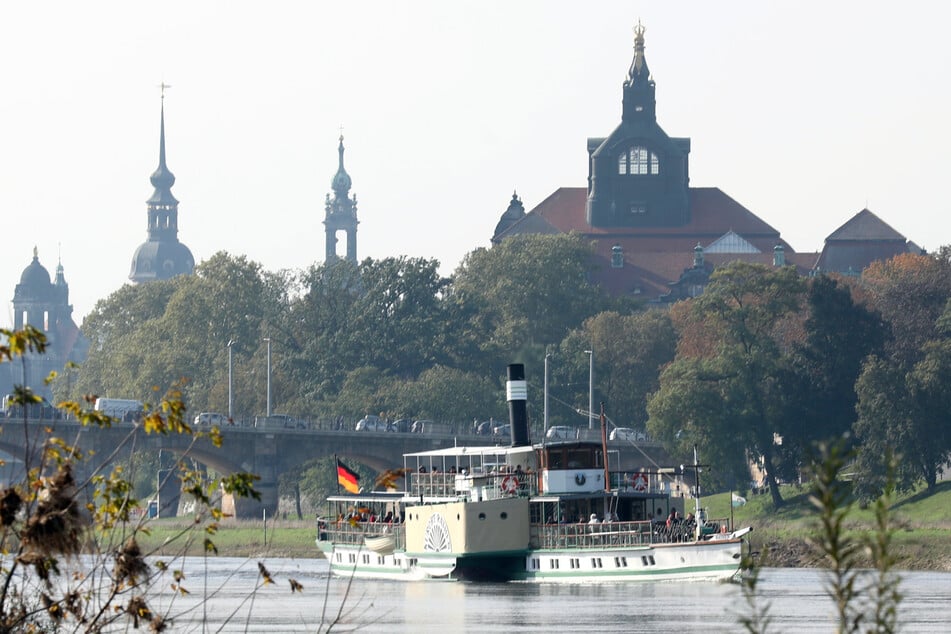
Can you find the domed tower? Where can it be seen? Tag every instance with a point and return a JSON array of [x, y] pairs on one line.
[[162, 256], [341, 213], [44, 304]]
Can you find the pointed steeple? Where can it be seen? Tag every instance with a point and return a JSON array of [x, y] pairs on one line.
[[162, 256], [639, 71], [162, 178], [639, 101]]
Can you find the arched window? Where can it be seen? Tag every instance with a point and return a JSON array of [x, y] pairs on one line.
[[638, 160]]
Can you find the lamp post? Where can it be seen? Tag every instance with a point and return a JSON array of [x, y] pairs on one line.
[[590, 354], [545, 415], [231, 342], [268, 340]]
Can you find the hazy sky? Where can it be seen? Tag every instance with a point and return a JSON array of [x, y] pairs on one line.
[[804, 112]]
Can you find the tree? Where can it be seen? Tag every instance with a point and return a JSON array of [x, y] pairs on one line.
[[629, 352], [910, 291], [900, 391], [400, 314], [906, 412], [179, 330], [839, 335], [528, 291], [63, 504], [748, 318]]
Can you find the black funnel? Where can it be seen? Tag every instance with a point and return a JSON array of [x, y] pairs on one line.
[[516, 393]]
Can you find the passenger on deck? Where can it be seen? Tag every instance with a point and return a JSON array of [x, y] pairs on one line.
[[422, 468], [593, 519], [672, 518]]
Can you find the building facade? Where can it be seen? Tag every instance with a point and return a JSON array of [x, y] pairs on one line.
[[655, 236]]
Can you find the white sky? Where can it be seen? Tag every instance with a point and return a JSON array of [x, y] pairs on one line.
[[805, 112]]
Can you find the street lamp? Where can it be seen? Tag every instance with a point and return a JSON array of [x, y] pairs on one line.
[[231, 342], [268, 340], [590, 354], [545, 416]]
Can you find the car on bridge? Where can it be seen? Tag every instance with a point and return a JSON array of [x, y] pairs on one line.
[[371, 423], [275, 421], [559, 432], [211, 418], [626, 433]]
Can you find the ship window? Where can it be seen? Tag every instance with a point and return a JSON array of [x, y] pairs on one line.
[[638, 160], [504, 515], [644, 560], [481, 516], [651, 558]]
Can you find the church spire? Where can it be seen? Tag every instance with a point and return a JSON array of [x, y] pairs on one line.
[[341, 212], [162, 256], [639, 99], [162, 178]]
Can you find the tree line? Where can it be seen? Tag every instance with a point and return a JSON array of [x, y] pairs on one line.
[[759, 368]]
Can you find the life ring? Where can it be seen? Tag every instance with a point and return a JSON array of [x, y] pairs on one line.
[[640, 483], [580, 479], [509, 484]]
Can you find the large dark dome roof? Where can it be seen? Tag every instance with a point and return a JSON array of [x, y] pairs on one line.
[[161, 260], [35, 275]]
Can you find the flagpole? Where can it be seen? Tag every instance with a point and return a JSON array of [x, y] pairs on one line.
[[337, 473]]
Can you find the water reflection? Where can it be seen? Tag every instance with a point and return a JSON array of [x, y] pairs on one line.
[[797, 601]]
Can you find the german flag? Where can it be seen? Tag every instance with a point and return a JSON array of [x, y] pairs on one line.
[[347, 478]]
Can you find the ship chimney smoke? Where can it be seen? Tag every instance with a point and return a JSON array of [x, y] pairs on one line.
[[516, 393]]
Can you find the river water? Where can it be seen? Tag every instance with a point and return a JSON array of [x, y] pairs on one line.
[[796, 598]]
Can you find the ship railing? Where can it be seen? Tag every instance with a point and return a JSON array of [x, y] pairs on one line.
[[604, 535], [686, 530], [619, 534], [478, 486], [345, 531]]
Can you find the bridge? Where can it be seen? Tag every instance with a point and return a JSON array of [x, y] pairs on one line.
[[268, 453]]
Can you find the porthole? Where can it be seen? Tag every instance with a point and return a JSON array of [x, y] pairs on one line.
[[504, 515], [481, 516]]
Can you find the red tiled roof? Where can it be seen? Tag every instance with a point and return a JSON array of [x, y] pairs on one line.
[[712, 214], [656, 257]]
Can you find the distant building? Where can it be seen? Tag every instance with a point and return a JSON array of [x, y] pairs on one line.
[[862, 240], [655, 236], [341, 213], [161, 256], [43, 304]]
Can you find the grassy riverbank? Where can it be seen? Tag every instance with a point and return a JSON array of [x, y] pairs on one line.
[[236, 538], [923, 541]]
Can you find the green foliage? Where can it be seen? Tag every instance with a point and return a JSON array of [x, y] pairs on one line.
[[732, 397], [530, 290], [629, 351], [51, 515], [861, 605]]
